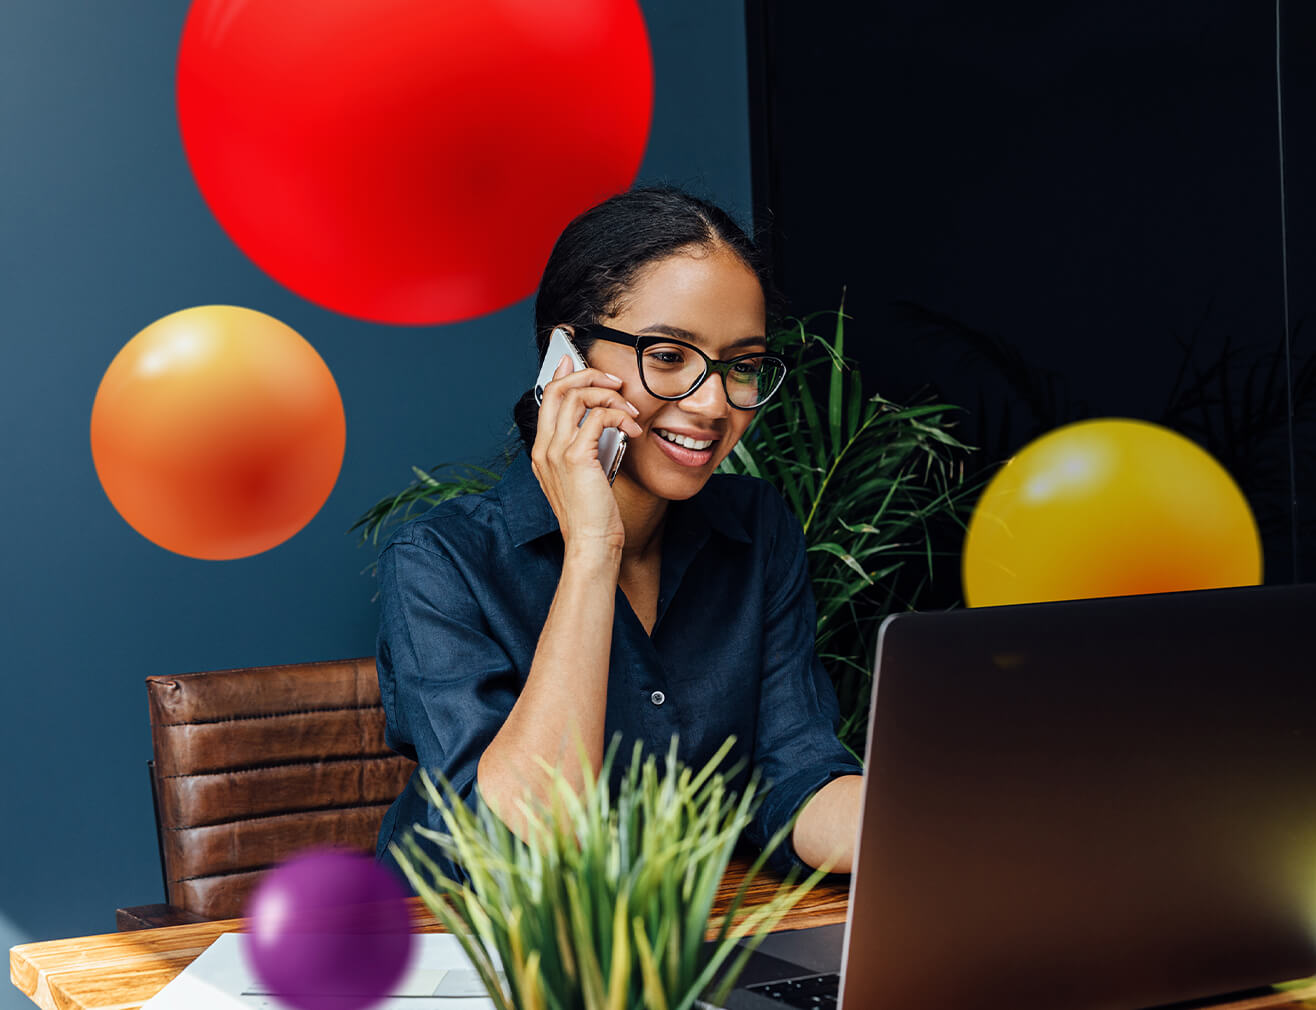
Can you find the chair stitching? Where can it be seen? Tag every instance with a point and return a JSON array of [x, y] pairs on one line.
[[227, 873], [272, 715], [307, 763], [281, 813]]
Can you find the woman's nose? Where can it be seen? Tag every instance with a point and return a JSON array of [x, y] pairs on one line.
[[710, 399]]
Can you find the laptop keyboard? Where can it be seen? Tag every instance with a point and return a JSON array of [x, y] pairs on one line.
[[810, 991]]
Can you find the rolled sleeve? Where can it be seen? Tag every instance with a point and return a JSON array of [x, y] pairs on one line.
[[796, 747], [446, 683]]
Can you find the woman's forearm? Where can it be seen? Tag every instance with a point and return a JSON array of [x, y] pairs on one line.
[[828, 826], [565, 692]]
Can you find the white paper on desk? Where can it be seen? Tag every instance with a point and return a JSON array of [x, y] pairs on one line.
[[221, 979]]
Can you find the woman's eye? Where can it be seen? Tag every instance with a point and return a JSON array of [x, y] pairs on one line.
[[747, 370], [665, 356]]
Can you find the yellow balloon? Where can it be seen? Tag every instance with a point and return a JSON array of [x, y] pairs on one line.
[[1111, 507]]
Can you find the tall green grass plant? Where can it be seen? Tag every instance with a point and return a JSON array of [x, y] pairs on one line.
[[604, 905]]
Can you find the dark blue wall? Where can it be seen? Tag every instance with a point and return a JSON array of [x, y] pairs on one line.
[[102, 231]]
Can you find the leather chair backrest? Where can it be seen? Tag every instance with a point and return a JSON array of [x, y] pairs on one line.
[[253, 765]]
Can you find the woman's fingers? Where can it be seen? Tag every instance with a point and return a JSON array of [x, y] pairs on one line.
[[576, 402], [564, 379], [550, 400], [591, 430], [562, 384], [570, 425], [575, 409], [562, 426]]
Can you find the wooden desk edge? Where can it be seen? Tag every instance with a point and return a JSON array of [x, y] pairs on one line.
[[37, 969], [48, 971], [27, 976]]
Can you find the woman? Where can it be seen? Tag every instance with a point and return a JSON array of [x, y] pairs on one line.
[[674, 601]]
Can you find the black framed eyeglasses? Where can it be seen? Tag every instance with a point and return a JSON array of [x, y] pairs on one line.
[[671, 369]]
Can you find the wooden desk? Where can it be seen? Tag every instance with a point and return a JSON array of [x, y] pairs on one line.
[[120, 971]]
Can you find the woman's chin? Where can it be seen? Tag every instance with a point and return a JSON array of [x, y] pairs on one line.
[[660, 475]]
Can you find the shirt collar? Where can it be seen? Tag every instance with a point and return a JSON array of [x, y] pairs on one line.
[[525, 507], [529, 516]]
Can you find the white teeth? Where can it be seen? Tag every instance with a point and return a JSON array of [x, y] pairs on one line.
[[689, 443]]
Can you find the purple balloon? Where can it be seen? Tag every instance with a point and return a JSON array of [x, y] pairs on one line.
[[329, 930]]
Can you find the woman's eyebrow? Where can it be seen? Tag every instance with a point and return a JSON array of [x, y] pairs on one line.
[[683, 334]]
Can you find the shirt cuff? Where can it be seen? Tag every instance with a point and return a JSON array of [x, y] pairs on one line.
[[780, 804], [433, 820]]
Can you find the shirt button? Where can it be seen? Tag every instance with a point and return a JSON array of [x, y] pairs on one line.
[[657, 697]]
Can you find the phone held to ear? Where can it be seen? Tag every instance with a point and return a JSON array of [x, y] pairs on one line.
[[612, 443]]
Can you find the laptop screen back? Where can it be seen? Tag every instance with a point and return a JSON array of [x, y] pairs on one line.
[[1103, 803]]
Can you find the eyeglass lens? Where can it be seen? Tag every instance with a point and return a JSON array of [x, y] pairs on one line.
[[673, 370]]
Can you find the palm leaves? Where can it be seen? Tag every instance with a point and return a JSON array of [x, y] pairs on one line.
[[425, 491], [880, 491], [602, 907]]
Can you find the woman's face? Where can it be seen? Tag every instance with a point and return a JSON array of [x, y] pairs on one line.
[[705, 297]]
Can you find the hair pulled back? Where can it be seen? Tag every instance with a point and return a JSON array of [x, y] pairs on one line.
[[596, 258]]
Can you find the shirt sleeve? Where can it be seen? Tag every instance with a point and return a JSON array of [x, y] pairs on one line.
[[446, 684], [796, 747]]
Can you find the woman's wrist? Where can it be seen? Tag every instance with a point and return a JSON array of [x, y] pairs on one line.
[[594, 557]]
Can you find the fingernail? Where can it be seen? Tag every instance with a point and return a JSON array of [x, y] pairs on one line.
[[614, 378], [632, 408], [565, 361]]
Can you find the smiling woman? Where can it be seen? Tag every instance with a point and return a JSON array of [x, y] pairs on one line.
[[674, 602]]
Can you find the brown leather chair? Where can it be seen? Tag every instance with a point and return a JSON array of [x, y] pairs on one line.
[[253, 765]]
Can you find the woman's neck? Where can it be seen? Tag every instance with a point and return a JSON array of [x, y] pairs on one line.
[[643, 516]]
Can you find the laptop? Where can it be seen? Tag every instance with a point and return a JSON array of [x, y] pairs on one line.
[[1083, 805]]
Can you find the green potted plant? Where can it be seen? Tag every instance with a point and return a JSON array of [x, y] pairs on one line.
[[606, 903], [880, 489]]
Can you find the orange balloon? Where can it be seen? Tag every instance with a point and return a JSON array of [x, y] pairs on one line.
[[218, 432], [1111, 507]]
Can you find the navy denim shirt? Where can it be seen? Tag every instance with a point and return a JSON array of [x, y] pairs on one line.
[[465, 590]]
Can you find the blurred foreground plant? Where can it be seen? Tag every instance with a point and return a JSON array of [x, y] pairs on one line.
[[603, 906]]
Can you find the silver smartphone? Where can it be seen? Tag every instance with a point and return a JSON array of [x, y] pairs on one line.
[[612, 443]]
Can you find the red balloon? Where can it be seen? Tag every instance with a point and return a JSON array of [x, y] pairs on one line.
[[410, 161]]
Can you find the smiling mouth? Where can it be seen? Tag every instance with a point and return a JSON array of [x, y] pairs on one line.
[[684, 441]]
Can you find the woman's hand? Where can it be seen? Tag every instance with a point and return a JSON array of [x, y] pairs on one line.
[[565, 456]]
